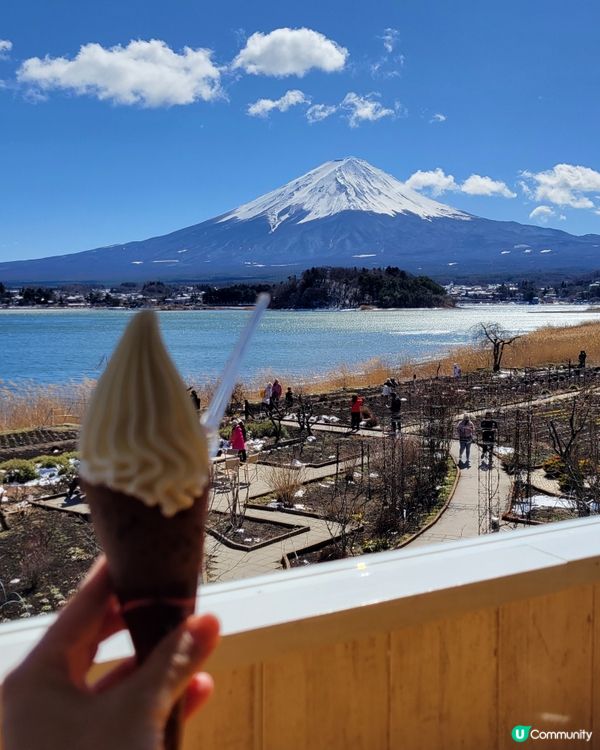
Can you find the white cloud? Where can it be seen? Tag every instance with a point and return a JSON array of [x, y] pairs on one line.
[[5, 47], [477, 184], [364, 109], [435, 181], [438, 117], [285, 52], [319, 112], [563, 185], [389, 65], [263, 107], [390, 38], [149, 73], [542, 214]]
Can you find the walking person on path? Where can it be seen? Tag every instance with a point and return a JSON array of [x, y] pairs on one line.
[[489, 434], [466, 431], [238, 442], [289, 398], [195, 399], [386, 390], [267, 396], [582, 358], [395, 409], [276, 390], [355, 412]]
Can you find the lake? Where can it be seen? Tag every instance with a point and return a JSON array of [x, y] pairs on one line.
[[58, 346]]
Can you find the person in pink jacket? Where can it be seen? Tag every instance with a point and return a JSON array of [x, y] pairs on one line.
[[238, 443]]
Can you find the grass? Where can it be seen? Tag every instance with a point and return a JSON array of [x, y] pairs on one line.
[[27, 405], [548, 345]]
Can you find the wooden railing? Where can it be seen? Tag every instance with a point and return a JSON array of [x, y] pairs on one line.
[[448, 646]]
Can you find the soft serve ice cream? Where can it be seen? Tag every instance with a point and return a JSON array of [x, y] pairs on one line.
[[141, 435], [145, 472]]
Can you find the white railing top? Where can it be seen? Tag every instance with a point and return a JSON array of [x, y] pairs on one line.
[[260, 616]]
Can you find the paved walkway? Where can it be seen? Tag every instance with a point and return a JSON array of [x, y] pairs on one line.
[[225, 563], [475, 485], [461, 519]]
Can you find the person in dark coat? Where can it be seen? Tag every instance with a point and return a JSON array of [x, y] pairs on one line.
[[289, 398], [395, 409], [489, 436], [195, 399]]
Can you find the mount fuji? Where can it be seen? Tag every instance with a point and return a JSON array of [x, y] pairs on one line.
[[343, 213]]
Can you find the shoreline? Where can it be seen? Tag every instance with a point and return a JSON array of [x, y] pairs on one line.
[[27, 404]]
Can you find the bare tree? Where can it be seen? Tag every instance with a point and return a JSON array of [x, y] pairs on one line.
[[276, 414], [346, 505], [236, 504], [498, 337], [304, 413], [578, 467]]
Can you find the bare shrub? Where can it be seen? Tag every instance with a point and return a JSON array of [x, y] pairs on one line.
[[284, 480], [36, 557]]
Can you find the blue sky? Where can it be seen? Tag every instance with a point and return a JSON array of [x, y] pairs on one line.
[[490, 107]]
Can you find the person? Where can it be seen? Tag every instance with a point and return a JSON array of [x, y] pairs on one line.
[[127, 708], [466, 430], [195, 399], [395, 409], [355, 411], [247, 410], [276, 390], [267, 395], [489, 432], [456, 371], [386, 390], [582, 358], [289, 398], [238, 442]]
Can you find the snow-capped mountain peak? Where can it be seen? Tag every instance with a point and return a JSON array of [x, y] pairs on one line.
[[349, 184]]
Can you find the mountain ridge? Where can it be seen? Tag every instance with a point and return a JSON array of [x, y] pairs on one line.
[[343, 213]]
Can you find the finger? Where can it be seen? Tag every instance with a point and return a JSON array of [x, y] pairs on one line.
[[198, 691], [162, 679], [70, 643], [85, 612], [115, 676]]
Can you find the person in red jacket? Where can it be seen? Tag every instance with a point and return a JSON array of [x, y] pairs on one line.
[[355, 411], [238, 442]]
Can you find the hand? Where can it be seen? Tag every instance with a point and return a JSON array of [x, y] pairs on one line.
[[47, 704]]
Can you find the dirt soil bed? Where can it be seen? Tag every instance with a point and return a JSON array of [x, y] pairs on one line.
[[325, 448], [43, 556], [30, 443], [251, 533]]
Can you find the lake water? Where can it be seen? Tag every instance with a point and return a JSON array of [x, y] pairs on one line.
[[60, 346]]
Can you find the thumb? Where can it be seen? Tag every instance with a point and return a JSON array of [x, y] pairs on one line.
[[162, 679]]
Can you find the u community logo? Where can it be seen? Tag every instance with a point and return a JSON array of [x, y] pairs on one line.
[[522, 733]]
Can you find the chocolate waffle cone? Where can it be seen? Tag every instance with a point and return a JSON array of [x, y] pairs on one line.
[[154, 563]]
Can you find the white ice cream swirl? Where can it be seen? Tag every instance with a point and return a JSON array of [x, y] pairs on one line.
[[141, 435]]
